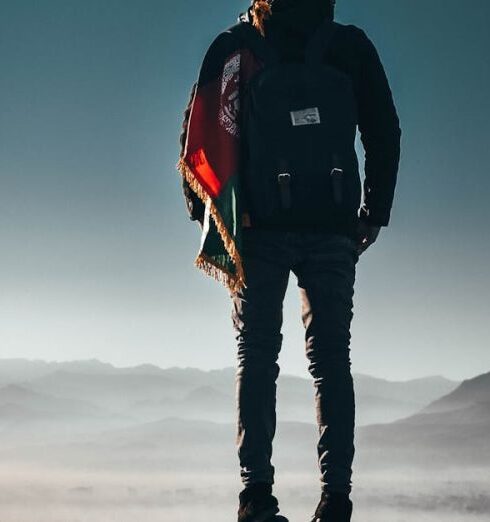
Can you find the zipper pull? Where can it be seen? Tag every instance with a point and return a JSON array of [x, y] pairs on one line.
[[336, 176], [284, 180]]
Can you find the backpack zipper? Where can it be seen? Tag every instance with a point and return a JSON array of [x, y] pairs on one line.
[[284, 181], [336, 176]]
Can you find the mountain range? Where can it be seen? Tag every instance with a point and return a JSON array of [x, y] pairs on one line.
[[147, 392], [110, 417]]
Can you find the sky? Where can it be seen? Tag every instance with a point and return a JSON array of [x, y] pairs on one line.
[[97, 250]]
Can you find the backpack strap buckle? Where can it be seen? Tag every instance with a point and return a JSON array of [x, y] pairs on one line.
[[284, 180], [336, 176]]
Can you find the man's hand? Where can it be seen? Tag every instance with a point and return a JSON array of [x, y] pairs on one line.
[[366, 235]]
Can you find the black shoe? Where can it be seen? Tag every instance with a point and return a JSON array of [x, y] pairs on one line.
[[334, 506], [257, 503]]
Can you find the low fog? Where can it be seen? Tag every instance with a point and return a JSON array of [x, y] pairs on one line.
[[86, 441]]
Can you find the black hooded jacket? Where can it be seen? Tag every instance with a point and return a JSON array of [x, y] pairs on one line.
[[351, 51]]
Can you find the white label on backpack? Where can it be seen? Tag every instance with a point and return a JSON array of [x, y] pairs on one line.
[[306, 116]]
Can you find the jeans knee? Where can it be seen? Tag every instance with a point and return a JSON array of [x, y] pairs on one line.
[[258, 353], [330, 363]]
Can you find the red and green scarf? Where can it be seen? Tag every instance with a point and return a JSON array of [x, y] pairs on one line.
[[210, 159]]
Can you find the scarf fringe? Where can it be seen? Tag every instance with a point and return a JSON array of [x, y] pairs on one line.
[[261, 11], [234, 282]]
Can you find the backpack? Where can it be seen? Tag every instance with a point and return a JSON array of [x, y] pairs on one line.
[[298, 126]]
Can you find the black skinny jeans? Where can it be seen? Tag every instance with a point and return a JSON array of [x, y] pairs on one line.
[[325, 265]]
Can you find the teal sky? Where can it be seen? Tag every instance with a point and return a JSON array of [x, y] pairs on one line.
[[97, 250]]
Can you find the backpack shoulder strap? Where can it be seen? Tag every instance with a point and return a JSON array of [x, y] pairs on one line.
[[247, 33], [319, 41]]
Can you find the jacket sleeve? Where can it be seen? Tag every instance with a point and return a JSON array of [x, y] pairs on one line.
[[380, 135], [195, 207]]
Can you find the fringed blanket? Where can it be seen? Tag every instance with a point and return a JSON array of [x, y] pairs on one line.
[[210, 160]]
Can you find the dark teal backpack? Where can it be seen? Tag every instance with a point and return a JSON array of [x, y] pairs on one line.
[[298, 127]]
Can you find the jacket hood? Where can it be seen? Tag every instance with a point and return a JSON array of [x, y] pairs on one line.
[[294, 18]]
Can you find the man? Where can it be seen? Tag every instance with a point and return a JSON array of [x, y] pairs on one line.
[[323, 257]]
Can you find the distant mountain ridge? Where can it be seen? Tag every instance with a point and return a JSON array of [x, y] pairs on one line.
[[149, 416], [19, 367], [466, 394], [148, 392], [451, 431]]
